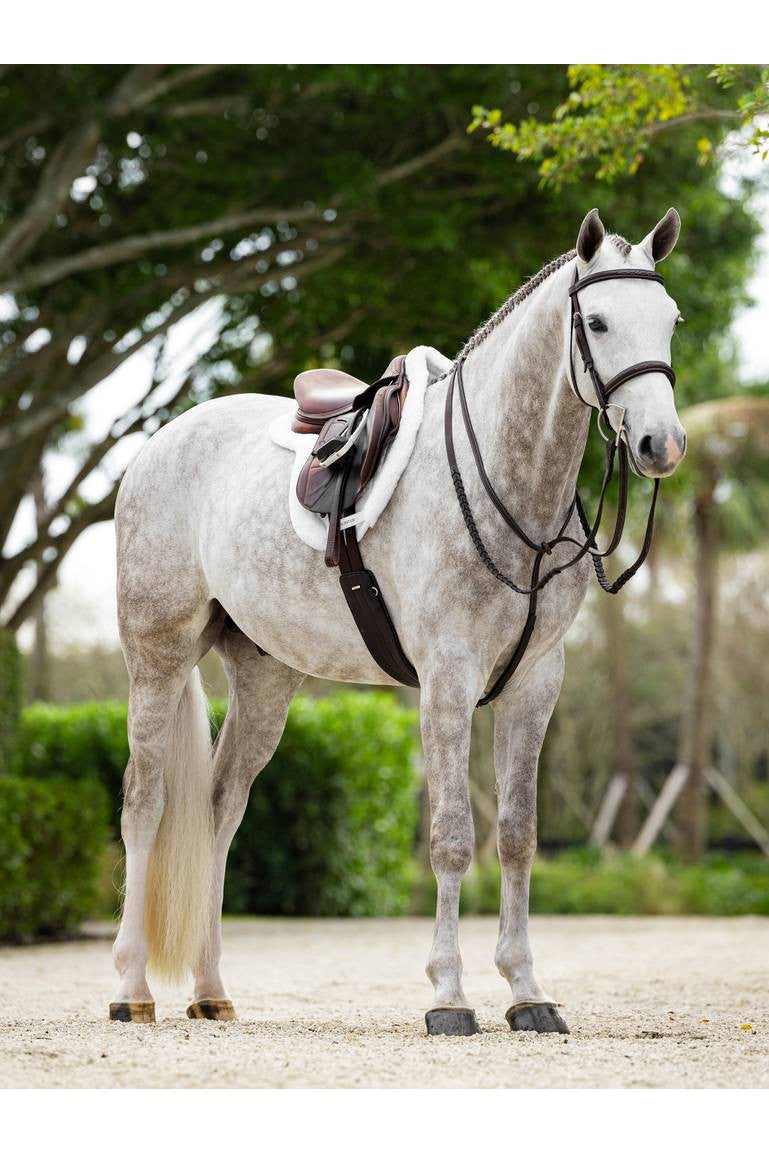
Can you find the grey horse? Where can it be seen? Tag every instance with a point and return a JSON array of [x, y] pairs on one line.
[[203, 535]]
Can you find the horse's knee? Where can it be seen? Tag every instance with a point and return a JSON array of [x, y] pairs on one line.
[[516, 836], [452, 839]]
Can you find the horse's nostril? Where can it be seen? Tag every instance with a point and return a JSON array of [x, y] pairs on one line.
[[645, 446]]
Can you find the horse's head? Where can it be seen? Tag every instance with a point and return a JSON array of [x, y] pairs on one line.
[[628, 322]]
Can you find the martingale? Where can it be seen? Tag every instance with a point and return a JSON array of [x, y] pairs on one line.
[[356, 423]]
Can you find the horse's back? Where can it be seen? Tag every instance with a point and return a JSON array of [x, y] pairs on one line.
[[186, 476]]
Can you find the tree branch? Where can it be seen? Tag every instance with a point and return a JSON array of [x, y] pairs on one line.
[[240, 278], [132, 247], [66, 163], [102, 510], [171, 82], [695, 114], [416, 163]]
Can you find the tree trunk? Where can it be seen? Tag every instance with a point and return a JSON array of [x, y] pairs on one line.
[[39, 687], [697, 731], [618, 705]]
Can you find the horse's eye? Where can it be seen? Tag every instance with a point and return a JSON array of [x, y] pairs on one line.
[[596, 324]]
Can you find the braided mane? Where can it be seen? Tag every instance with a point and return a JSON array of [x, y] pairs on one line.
[[513, 301], [526, 290]]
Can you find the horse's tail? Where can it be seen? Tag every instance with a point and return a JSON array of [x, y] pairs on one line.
[[178, 894]]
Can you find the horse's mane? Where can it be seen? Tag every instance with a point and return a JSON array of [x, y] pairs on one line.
[[513, 301], [525, 291]]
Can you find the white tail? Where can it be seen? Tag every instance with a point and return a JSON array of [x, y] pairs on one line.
[[178, 894]]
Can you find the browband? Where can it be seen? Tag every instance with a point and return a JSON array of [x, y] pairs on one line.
[[613, 274]]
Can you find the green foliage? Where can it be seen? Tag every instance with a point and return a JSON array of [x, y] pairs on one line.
[[208, 184], [586, 881], [51, 841], [10, 698], [79, 741], [614, 112], [331, 822]]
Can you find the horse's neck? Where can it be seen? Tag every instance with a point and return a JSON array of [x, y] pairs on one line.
[[530, 427]]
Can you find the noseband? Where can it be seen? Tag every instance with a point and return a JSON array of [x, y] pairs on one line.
[[579, 337], [614, 445]]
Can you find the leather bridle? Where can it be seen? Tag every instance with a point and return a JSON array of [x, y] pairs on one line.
[[615, 446]]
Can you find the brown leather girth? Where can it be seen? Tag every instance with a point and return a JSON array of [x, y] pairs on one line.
[[366, 603]]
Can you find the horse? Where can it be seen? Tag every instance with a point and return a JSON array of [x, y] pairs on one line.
[[204, 539]]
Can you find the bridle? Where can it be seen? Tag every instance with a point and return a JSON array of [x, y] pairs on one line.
[[615, 446]]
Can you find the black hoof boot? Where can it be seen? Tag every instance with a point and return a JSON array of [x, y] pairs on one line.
[[451, 1023], [536, 1018]]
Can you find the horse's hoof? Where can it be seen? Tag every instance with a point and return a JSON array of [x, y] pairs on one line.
[[212, 1010], [451, 1023], [535, 1018], [140, 1012]]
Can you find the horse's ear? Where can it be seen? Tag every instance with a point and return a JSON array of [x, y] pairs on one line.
[[591, 236], [662, 239]]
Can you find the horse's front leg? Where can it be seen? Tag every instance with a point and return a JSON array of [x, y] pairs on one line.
[[448, 698], [521, 717]]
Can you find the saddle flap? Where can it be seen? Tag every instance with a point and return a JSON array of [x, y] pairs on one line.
[[384, 420]]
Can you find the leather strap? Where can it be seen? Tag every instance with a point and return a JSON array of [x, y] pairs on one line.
[[359, 584], [367, 605], [614, 448], [579, 337]]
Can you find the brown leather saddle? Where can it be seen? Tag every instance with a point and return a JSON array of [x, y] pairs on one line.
[[355, 424]]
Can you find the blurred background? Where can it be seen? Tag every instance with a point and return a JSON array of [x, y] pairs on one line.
[[171, 233]]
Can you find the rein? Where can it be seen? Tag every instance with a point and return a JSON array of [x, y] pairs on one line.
[[616, 447]]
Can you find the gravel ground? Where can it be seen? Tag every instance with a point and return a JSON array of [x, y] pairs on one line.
[[651, 1002]]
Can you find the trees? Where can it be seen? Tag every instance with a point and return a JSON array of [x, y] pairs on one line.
[[615, 113], [729, 442], [131, 197], [320, 213], [616, 124]]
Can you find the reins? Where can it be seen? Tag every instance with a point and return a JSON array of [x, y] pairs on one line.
[[616, 447]]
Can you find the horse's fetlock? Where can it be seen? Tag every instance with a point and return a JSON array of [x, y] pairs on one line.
[[125, 956]]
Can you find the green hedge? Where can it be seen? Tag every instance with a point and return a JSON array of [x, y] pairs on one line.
[[51, 841], [586, 881], [77, 741], [331, 821]]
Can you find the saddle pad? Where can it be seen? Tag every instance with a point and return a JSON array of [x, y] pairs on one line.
[[424, 365]]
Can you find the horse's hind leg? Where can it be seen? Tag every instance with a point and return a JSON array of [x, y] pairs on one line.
[[168, 777], [521, 717], [261, 689]]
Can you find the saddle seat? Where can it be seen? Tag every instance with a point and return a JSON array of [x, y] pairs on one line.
[[322, 393]]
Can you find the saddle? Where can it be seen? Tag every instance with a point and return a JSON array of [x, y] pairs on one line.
[[355, 424]]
